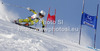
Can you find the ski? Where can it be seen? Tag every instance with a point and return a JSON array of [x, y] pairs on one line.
[[26, 26]]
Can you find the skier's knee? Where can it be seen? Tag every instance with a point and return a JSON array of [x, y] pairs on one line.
[[25, 20]]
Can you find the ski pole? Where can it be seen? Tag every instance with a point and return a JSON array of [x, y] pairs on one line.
[[15, 6]]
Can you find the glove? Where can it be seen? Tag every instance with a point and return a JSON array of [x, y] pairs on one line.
[[28, 9], [43, 26]]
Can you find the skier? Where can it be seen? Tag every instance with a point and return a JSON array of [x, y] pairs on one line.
[[36, 17]]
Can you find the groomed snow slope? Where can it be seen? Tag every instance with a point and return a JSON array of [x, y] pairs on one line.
[[13, 38]]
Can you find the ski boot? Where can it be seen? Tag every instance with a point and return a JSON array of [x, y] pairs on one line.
[[27, 24]]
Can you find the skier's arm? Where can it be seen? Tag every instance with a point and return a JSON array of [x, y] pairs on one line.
[[43, 25], [31, 10]]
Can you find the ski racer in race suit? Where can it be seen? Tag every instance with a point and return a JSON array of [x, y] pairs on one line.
[[36, 17]]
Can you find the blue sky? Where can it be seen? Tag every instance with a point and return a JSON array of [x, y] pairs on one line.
[[68, 10]]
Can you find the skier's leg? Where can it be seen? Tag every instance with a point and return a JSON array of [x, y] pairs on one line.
[[23, 20], [32, 23], [29, 18], [20, 20]]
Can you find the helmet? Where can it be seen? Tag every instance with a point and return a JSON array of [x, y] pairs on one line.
[[42, 13]]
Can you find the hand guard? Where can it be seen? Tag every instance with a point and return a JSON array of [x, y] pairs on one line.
[[43, 26]]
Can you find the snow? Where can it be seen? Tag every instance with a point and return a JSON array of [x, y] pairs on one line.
[[6, 15], [12, 39], [18, 38]]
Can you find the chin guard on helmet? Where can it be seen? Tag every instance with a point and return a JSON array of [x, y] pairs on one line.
[[42, 13]]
